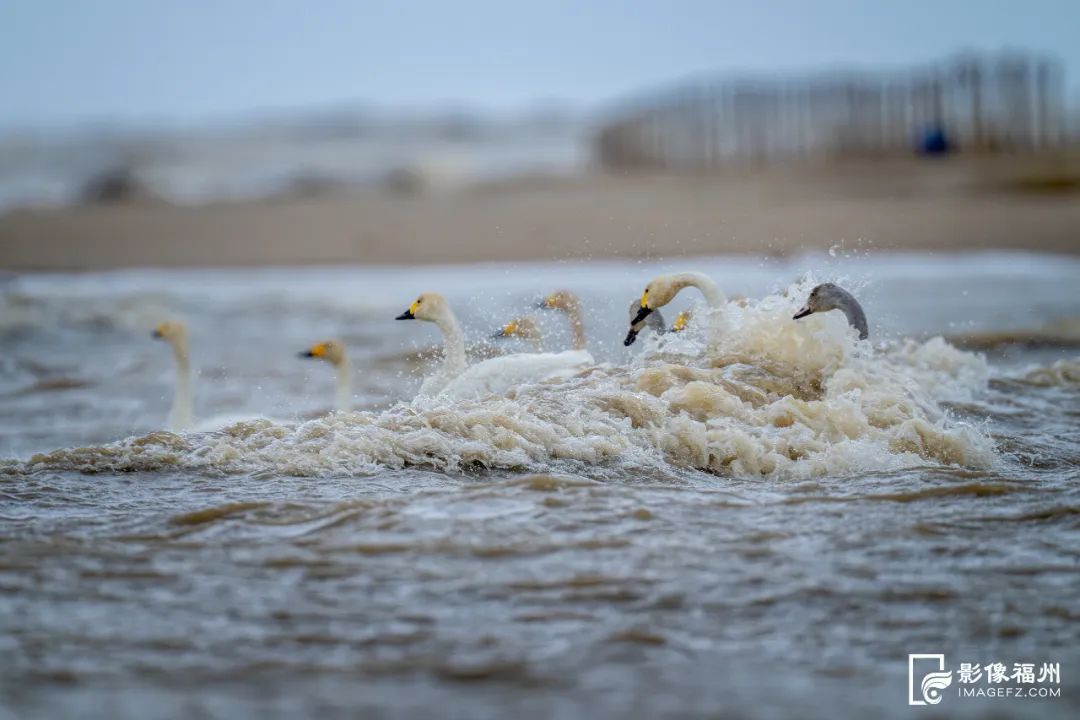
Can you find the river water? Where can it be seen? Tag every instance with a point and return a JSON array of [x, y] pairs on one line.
[[756, 517]]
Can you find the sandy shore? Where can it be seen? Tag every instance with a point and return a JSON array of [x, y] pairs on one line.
[[901, 206]]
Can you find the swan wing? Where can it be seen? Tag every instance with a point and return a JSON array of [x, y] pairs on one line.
[[499, 374]]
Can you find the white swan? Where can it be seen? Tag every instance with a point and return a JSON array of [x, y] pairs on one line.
[[333, 352], [827, 297], [662, 289], [567, 302], [175, 333], [181, 415], [456, 379]]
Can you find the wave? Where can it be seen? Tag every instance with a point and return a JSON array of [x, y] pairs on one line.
[[763, 396], [1063, 373], [25, 310], [1063, 333]]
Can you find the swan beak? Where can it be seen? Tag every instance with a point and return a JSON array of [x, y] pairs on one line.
[[631, 336], [156, 335], [802, 313], [306, 354], [410, 314], [642, 313], [507, 331]]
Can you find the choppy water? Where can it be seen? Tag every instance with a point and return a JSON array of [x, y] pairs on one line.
[[765, 525]]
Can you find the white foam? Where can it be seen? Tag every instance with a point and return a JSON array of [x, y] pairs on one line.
[[768, 396]]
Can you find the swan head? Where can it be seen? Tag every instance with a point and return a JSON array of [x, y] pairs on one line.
[[524, 327], [823, 298], [428, 306], [827, 297], [171, 331], [564, 300], [331, 351], [659, 292]]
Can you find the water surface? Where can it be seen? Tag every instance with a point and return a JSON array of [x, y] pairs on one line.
[[760, 524]]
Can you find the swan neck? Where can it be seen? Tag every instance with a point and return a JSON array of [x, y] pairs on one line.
[[454, 362], [344, 386], [577, 326], [714, 296], [855, 316], [180, 416]]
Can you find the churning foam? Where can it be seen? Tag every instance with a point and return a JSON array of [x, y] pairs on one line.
[[745, 392]]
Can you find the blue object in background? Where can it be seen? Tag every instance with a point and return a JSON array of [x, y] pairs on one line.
[[934, 141]]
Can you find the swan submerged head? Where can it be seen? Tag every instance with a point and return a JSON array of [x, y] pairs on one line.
[[826, 297], [331, 351], [429, 306], [653, 320]]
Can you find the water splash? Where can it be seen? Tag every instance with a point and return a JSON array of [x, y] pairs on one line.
[[745, 392]]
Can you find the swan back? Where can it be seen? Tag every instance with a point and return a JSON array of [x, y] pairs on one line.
[[498, 375]]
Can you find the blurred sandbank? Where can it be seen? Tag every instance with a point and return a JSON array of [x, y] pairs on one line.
[[1029, 202]]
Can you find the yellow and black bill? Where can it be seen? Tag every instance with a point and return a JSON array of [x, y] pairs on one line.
[[547, 303], [642, 313], [409, 314], [316, 351]]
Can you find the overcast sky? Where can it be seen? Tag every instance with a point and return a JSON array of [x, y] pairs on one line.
[[63, 62]]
